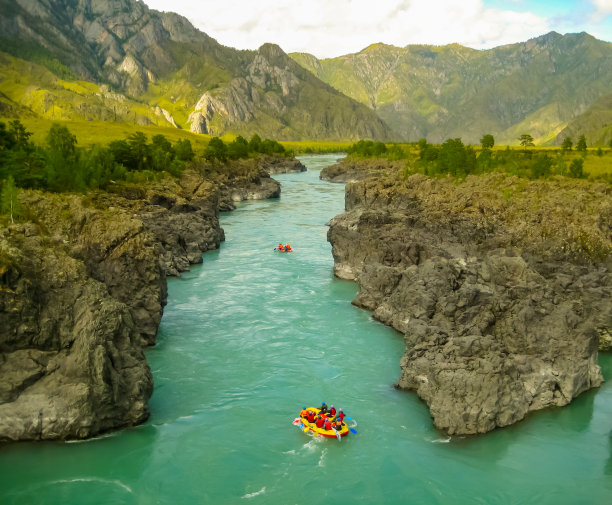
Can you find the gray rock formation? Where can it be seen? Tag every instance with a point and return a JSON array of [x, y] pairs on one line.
[[495, 326], [71, 362], [349, 170], [82, 290], [280, 165]]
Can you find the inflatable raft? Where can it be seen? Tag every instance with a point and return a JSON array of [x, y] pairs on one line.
[[302, 422]]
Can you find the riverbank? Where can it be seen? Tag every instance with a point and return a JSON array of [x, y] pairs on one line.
[[82, 291], [500, 285]]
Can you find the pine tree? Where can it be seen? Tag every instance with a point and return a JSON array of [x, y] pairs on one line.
[[9, 204]]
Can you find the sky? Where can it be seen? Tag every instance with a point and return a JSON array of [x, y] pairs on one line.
[[329, 28]]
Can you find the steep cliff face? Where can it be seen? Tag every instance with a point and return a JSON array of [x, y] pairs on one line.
[[182, 76], [82, 290], [72, 363], [501, 309]]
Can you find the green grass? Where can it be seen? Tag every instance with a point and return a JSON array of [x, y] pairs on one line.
[[309, 146], [102, 132]]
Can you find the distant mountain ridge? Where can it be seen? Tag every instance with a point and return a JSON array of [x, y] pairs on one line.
[[149, 66], [441, 92]]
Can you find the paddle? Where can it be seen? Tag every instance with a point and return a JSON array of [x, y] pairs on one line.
[[353, 430]]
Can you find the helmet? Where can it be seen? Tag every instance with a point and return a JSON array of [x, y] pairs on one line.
[[340, 410], [332, 406], [322, 403]]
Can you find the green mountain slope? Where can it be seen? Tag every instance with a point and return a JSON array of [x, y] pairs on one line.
[[121, 60], [439, 92], [595, 124]]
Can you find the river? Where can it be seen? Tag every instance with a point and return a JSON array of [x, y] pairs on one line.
[[250, 337]]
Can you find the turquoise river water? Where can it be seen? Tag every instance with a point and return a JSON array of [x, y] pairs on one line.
[[250, 337]]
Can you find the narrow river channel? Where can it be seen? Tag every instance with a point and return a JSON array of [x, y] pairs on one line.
[[250, 337]]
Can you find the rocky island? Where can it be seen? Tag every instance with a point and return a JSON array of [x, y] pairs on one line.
[[502, 287], [82, 291]]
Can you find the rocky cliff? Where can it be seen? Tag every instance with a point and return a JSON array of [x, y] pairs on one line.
[[162, 70], [82, 290], [502, 288]]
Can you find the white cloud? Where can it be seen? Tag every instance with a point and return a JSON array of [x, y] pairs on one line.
[[603, 8], [334, 27]]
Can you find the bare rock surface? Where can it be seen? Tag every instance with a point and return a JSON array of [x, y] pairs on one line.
[[82, 291], [502, 301]]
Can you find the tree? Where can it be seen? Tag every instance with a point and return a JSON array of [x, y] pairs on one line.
[[62, 171], [122, 153], [7, 138], [21, 135], [8, 199], [183, 150], [581, 145], [61, 141], [239, 148], [215, 150], [140, 150], [576, 168], [255, 144], [487, 141], [567, 144], [427, 152], [455, 158], [541, 167], [485, 160], [526, 140]]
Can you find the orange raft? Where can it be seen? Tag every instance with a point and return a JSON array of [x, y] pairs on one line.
[[303, 423]]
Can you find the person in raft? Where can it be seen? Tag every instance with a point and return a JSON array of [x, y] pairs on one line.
[[287, 248], [332, 411], [280, 247], [327, 425], [303, 412], [339, 415], [320, 421], [323, 408], [337, 425], [311, 416]]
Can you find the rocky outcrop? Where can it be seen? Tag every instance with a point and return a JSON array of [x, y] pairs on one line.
[[350, 170], [82, 290], [182, 217], [500, 288], [71, 363], [280, 165]]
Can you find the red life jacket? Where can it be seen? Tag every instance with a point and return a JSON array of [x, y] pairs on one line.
[[311, 418], [320, 422], [328, 425], [332, 411], [341, 416]]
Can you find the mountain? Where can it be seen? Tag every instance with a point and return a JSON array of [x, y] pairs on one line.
[[118, 59], [595, 123], [441, 92]]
